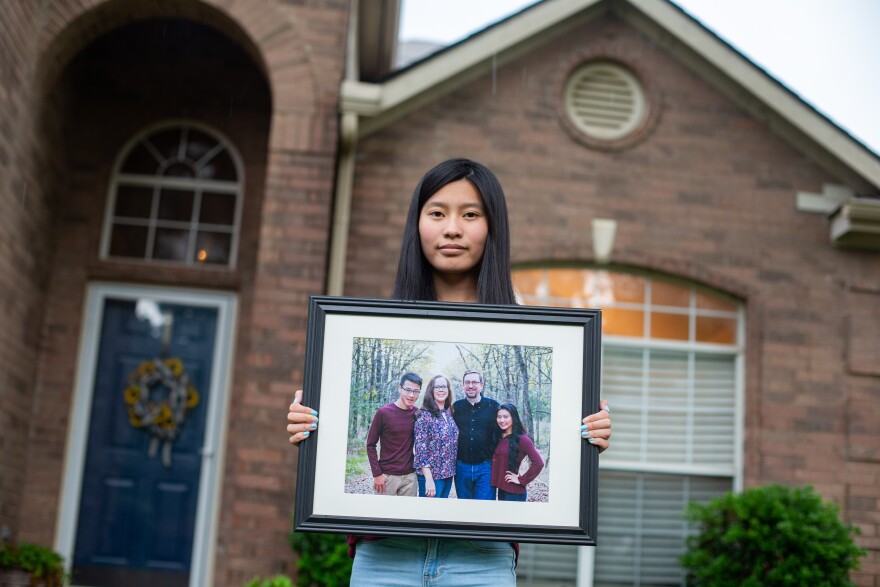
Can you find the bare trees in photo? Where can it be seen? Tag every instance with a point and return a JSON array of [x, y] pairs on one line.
[[377, 366], [521, 375]]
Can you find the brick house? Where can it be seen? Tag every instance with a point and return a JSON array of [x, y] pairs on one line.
[[178, 177]]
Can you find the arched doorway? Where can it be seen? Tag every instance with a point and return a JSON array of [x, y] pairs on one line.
[[139, 508]]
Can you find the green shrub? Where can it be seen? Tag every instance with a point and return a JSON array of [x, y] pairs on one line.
[[323, 559], [43, 564], [769, 536], [276, 581]]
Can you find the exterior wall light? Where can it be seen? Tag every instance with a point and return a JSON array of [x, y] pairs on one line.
[[604, 231]]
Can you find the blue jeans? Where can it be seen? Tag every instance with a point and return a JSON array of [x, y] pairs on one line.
[[474, 481], [408, 562], [443, 486], [505, 496]]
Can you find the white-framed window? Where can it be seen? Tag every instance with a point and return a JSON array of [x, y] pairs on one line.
[[175, 197], [672, 372]]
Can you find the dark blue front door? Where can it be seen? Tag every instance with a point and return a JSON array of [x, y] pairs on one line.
[[137, 514]]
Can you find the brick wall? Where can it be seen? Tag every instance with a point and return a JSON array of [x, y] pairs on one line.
[[25, 248], [708, 195], [862, 386], [291, 265]]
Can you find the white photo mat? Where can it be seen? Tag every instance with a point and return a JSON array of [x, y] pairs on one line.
[[567, 344]]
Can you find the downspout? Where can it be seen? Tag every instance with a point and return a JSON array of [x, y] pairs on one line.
[[348, 135]]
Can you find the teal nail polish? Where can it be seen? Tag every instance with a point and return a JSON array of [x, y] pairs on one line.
[[584, 434], [314, 413], [314, 425], [584, 427], [306, 433], [591, 440], [296, 400]]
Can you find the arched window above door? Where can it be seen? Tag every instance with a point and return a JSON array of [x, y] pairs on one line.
[[175, 197]]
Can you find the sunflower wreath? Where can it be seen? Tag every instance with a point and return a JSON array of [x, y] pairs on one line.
[[162, 418]]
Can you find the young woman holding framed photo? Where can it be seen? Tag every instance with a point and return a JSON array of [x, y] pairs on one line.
[[456, 248]]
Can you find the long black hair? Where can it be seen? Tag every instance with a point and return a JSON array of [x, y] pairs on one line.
[[415, 275], [516, 430], [430, 404]]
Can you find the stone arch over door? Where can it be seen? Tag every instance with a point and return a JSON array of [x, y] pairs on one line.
[[269, 35]]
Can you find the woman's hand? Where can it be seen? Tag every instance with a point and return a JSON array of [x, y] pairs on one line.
[[301, 421], [430, 486], [596, 428], [512, 478]]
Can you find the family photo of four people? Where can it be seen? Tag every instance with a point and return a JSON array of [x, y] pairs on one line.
[[475, 443]]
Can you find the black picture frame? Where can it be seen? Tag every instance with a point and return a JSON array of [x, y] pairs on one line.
[[322, 506]]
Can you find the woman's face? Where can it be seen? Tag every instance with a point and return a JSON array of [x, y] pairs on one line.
[[504, 420], [453, 228], [441, 390]]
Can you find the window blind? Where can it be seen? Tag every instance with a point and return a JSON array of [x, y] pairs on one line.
[[670, 407], [547, 565], [642, 531]]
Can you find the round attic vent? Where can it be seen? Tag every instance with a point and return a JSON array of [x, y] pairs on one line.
[[605, 101]]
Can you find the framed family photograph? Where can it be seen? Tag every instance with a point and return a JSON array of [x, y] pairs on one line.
[[450, 421]]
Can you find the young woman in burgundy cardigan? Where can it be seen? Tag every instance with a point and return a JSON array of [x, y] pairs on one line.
[[513, 445]]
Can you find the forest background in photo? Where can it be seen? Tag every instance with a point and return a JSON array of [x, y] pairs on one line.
[[521, 375]]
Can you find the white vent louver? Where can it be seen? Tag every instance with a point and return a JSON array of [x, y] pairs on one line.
[[605, 101]]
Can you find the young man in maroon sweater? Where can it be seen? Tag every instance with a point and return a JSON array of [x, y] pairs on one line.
[[392, 429]]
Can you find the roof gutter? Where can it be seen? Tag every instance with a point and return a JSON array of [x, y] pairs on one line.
[[857, 224]]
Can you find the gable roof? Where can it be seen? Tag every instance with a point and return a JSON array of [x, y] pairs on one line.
[[717, 62]]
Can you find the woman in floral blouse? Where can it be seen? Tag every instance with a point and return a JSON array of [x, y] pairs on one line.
[[436, 440]]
